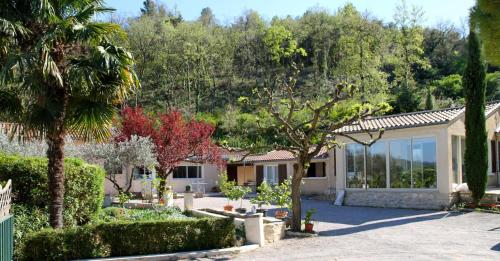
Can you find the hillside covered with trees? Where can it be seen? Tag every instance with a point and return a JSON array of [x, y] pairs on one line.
[[202, 67]]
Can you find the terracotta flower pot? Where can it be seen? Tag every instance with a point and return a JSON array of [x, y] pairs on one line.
[[228, 208], [309, 228], [281, 214]]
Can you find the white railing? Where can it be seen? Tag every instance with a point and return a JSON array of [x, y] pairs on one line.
[[5, 194]]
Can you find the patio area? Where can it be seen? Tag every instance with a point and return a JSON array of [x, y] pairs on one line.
[[348, 233]]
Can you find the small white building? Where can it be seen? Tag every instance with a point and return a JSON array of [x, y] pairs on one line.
[[417, 163]]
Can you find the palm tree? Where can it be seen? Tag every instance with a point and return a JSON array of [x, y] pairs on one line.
[[60, 74]]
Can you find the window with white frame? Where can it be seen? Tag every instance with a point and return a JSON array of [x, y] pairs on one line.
[[423, 173], [376, 169], [404, 163], [187, 172], [400, 163], [355, 165], [457, 158], [271, 174], [140, 172]]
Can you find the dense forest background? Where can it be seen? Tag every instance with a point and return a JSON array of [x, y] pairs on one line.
[[202, 67]]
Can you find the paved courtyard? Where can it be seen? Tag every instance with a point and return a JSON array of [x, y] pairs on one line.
[[349, 233]]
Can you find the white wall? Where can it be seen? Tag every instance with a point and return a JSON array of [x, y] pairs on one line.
[[457, 128], [210, 175]]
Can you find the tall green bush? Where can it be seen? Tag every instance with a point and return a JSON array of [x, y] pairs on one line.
[[129, 238], [84, 185], [476, 145]]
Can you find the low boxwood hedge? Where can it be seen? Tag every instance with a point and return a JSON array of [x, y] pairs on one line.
[[84, 185], [129, 238]]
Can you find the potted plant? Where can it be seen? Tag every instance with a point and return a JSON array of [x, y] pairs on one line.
[[188, 188], [238, 193], [123, 197], [226, 188], [308, 220], [282, 196], [264, 197]]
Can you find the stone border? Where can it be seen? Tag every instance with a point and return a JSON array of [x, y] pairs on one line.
[[184, 255]]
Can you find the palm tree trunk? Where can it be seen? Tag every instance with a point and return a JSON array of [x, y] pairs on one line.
[[55, 154]]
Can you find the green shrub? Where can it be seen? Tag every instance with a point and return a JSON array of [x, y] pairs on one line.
[[26, 221], [129, 238], [112, 214], [64, 244], [84, 185]]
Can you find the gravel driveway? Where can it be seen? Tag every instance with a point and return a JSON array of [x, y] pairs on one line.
[[348, 233]]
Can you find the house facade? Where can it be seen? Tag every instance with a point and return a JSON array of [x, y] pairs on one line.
[[417, 163], [202, 177], [275, 166]]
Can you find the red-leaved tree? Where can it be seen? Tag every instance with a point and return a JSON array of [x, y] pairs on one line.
[[175, 139]]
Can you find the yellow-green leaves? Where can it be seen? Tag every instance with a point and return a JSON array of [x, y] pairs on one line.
[[281, 44]]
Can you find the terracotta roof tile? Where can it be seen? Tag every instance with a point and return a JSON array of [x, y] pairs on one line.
[[274, 155], [413, 119]]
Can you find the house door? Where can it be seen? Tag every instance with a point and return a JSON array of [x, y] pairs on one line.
[[232, 173]]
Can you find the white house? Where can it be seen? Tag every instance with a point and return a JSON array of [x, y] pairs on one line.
[[417, 163]]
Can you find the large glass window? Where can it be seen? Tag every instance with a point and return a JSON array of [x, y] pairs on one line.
[[412, 164], [462, 154], [375, 166], [355, 166], [424, 163], [454, 157], [400, 163], [458, 163]]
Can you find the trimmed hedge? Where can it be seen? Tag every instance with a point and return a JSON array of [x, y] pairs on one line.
[[129, 238], [84, 185]]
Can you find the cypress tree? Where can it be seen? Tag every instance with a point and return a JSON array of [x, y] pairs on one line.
[[429, 100], [476, 145]]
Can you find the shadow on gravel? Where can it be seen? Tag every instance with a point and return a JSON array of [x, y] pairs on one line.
[[388, 223]]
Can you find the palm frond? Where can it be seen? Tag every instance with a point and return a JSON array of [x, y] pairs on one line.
[[49, 67], [13, 29], [10, 105], [44, 10], [94, 32], [88, 12], [107, 72], [90, 120]]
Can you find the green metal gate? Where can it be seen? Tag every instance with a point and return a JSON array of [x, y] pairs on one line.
[[6, 238], [6, 224]]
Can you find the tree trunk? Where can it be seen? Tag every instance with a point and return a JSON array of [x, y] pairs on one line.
[[162, 175], [299, 170], [55, 154]]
